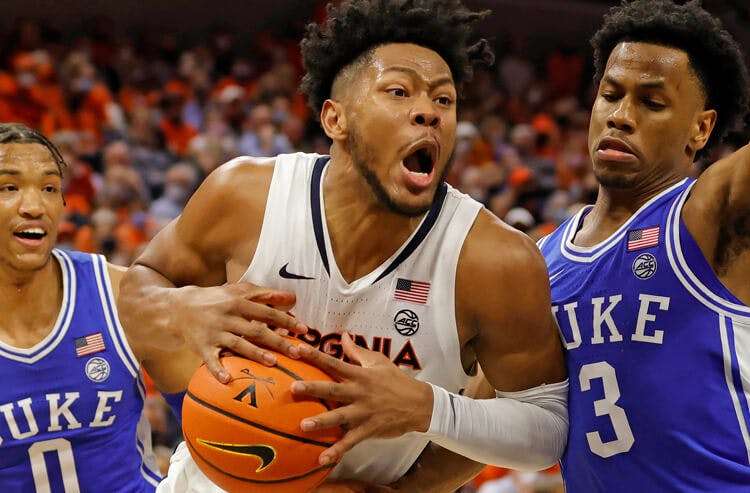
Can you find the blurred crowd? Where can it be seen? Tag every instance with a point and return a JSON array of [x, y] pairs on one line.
[[142, 120]]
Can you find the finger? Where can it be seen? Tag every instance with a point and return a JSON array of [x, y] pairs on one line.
[[251, 310], [283, 300], [264, 337], [213, 364], [336, 451], [333, 366], [334, 391], [358, 354], [243, 347]]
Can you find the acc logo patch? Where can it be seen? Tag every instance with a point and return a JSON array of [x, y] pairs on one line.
[[97, 369], [406, 322], [644, 266]]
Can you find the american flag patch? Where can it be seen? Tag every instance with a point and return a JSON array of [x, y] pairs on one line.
[[92, 343], [413, 291], [643, 238]]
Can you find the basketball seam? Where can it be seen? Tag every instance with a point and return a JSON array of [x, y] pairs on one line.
[[256, 425]]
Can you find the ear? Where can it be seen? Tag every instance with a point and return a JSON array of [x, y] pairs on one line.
[[333, 120], [701, 131]]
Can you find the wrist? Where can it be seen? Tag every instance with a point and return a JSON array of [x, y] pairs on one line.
[[424, 407]]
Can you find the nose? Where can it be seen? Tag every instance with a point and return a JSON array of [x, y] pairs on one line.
[[621, 117], [31, 205], [424, 113]]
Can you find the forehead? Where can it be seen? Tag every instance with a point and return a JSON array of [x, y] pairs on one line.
[[29, 158], [410, 56], [650, 63]]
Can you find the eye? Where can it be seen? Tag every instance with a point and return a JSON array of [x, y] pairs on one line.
[[445, 100], [8, 188], [654, 105], [609, 96], [399, 92], [50, 189]]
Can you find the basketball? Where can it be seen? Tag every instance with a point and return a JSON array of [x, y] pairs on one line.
[[245, 435]]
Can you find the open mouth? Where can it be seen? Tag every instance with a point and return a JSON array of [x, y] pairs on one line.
[[31, 234], [421, 161]]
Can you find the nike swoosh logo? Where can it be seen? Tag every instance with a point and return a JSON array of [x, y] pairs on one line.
[[288, 275], [556, 274], [265, 453]]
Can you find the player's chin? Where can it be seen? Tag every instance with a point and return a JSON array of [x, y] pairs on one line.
[[413, 205]]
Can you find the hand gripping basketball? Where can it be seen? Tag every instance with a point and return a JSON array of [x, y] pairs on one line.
[[235, 317], [245, 435], [380, 400]]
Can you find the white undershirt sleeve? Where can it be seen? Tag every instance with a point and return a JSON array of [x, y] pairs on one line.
[[524, 430]]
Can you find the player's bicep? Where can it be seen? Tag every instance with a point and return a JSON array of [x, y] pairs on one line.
[[180, 259], [516, 342]]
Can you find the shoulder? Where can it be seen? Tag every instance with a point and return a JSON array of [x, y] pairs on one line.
[[493, 249], [115, 273], [501, 279], [233, 178]]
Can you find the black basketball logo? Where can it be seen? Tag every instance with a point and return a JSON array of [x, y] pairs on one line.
[[406, 322]]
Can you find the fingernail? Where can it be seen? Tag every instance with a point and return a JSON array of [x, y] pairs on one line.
[[300, 327], [307, 425], [223, 377], [304, 349], [297, 387], [325, 459], [269, 359], [293, 351]]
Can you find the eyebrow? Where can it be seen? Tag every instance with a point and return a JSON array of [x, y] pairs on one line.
[[650, 84], [15, 172], [432, 85]]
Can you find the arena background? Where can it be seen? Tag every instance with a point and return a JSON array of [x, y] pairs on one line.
[[146, 98]]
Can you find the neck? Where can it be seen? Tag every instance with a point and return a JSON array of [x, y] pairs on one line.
[[31, 303], [363, 231], [614, 206]]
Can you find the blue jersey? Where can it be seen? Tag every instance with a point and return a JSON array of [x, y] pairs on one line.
[[71, 407], [658, 353]]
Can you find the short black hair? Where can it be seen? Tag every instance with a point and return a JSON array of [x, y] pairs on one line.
[[714, 55], [18, 133], [355, 27]]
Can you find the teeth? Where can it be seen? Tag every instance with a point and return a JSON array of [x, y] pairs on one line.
[[418, 173], [38, 231]]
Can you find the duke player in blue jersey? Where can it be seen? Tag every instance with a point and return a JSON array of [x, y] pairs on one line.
[[71, 402], [650, 284]]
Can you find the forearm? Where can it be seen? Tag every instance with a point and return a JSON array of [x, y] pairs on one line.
[[144, 307], [521, 430], [438, 470]]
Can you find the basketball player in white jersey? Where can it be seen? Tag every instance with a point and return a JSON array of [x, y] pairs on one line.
[[374, 244], [71, 403]]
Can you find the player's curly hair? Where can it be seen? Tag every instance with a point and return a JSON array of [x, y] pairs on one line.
[[356, 27], [714, 55], [18, 133]]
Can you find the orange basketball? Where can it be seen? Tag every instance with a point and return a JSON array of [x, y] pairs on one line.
[[245, 435]]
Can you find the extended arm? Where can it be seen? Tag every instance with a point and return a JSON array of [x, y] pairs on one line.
[[717, 214]]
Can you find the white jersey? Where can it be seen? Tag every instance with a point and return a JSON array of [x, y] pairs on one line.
[[405, 308]]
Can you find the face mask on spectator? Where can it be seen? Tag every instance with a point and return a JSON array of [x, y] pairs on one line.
[[176, 193], [82, 84], [26, 79]]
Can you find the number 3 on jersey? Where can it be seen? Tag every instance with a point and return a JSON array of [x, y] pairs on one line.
[[607, 406]]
